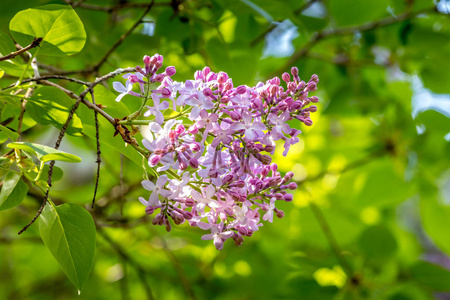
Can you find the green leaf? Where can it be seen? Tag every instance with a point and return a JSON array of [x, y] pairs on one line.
[[377, 243], [45, 153], [435, 215], [68, 231], [52, 106], [11, 134], [350, 12], [13, 191], [60, 27], [12, 67], [432, 276]]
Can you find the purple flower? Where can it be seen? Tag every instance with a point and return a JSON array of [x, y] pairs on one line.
[[218, 235], [156, 190], [250, 128], [155, 110]]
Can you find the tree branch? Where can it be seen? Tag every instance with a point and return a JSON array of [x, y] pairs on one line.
[[319, 36], [35, 43]]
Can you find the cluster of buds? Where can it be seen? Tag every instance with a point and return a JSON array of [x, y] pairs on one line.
[[211, 150]]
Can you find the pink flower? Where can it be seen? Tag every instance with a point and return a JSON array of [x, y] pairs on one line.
[[156, 190], [249, 126], [218, 235]]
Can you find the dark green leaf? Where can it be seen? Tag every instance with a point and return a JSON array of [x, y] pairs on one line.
[[11, 134], [377, 243], [432, 276], [13, 191], [349, 12], [68, 231]]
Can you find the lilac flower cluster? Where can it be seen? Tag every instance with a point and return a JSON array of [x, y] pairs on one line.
[[211, 150]]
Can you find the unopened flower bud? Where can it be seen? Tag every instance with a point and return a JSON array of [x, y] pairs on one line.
[[269, 148], [315, 78], [289, 175], [238, 240], [312, 108], [206, 71], [189, 202], [198, 75], [292, 186], [170, 71], [165, 92], [314, 99], [207, 92], [242, 89], [286, 77], [280, 213], [288, 197], [193, 163], [154, 160], [273, 167], [187, 214], [195, 146], [222, 77], [149, 210], [308, 122], [312, 86], [294, 71]]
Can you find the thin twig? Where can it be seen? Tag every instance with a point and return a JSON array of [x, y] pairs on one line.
[[331, 240], [99, 160], [318, 36], [122, 38], [272, 26], [110, 9], [357, 163], [183, 278], [35, 43]]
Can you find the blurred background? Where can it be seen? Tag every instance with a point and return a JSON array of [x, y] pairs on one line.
[[371, 216]]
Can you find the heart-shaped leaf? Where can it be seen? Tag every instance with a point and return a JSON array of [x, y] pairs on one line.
[[68, 231], [60, 27]]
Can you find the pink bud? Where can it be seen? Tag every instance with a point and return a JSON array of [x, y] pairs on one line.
[[159, 78], [294, 71], [314, 99], [292, 186], [187, 214], [269, 148], [149, 210], [238, 240], [154, 160], [288, 197], [211, 76], [165, 92], [312, 86], [312, 108], [278, 196], [189, 202], [280, 213], [315, 78], [222, 77], [242, 89], [308, 122], [274, 167], [289, 175], [286, 77], [206, 71], [170, 71], [198, 75], [207, 92], [193, 163]]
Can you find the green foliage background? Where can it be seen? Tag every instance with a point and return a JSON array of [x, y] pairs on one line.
[[370, 218]]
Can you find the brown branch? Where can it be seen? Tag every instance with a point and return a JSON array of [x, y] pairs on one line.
[[110, 9], [122, 38], [99, 160], [319, 36], [35, 43], [298, 11]]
